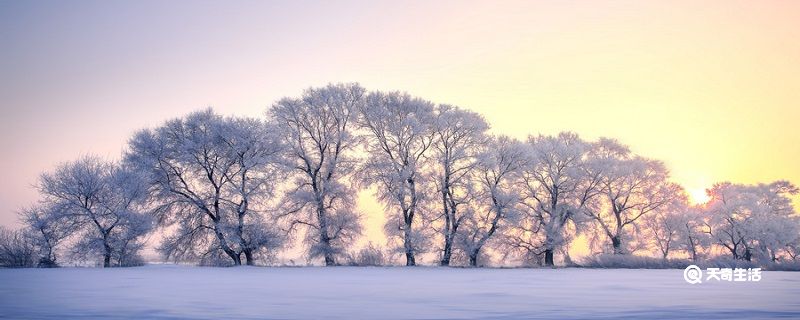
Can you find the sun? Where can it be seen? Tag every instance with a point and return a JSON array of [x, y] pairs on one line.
[[698, 196]]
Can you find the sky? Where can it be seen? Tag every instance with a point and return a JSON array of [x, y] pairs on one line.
[[712, 88]]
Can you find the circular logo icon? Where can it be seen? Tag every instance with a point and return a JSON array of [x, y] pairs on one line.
[[692, 274]]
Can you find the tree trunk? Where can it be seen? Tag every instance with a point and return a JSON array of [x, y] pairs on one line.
[[248, 255], [409, 248], [692, 249], [448, 251], [747, 255], [449, 237], [473, 258], [548, 258], [734, 251], [410, 260], [408, 218], [447, 241], [106, 252], [549, 248], [223, 244], [237, 260], [248, 252], [324, 238], [326, 243], [617, 245], [329, 260], [448, 221]]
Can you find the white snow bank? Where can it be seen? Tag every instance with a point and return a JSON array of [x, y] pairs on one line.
[[167, 292]]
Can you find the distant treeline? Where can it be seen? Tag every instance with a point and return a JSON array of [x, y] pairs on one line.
[[238, 190]]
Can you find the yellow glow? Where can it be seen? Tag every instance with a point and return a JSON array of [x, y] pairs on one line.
[[698, 196]]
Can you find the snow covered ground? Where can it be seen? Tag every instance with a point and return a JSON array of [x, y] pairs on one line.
[[172, 292]]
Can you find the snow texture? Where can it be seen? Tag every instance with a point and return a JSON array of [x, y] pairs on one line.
[[172, 292]]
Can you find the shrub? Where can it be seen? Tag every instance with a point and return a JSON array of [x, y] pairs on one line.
[[17, 250], [783, 266], [370, 255], [624, 261], [726, 262]]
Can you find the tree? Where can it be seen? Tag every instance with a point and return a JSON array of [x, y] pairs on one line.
[[750, 220], [775, 235], [630, 187], [496, 172], [691, 233], [667, 224], [398, 136], [729, 213], [101, 202], [46, 231], [458, 137], [318, 130], [213, 178], [793, 250], [556, 188], [17, 249]]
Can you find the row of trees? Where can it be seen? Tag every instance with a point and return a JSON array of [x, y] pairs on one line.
[[232, 190]]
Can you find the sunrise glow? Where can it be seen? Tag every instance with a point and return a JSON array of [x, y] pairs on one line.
[[393, 159]]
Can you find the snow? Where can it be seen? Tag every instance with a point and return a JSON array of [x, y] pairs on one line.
[[170, 292]]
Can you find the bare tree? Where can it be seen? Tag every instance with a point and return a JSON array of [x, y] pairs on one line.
[[692, 235], [750, 220], [497, 170], [666, 225], [17, 249], [212, 177], [458, 136], [398, 136], [630, 187], [317, 129], [101, 202], [46, 231], [556, 188], [255, 149]]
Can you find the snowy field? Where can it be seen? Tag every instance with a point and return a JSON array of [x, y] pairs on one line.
[[177, 292]]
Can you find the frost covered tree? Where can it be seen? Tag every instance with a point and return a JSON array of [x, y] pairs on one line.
[[101, 204], [753, 220], [318, 131], [665, 226], [630, 187], [496, 194], [793, 249], [212, 178], [17, 249], [775, 235], [46, 231], [692, 236], [398, 135], [458, 137], [556, 188]]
